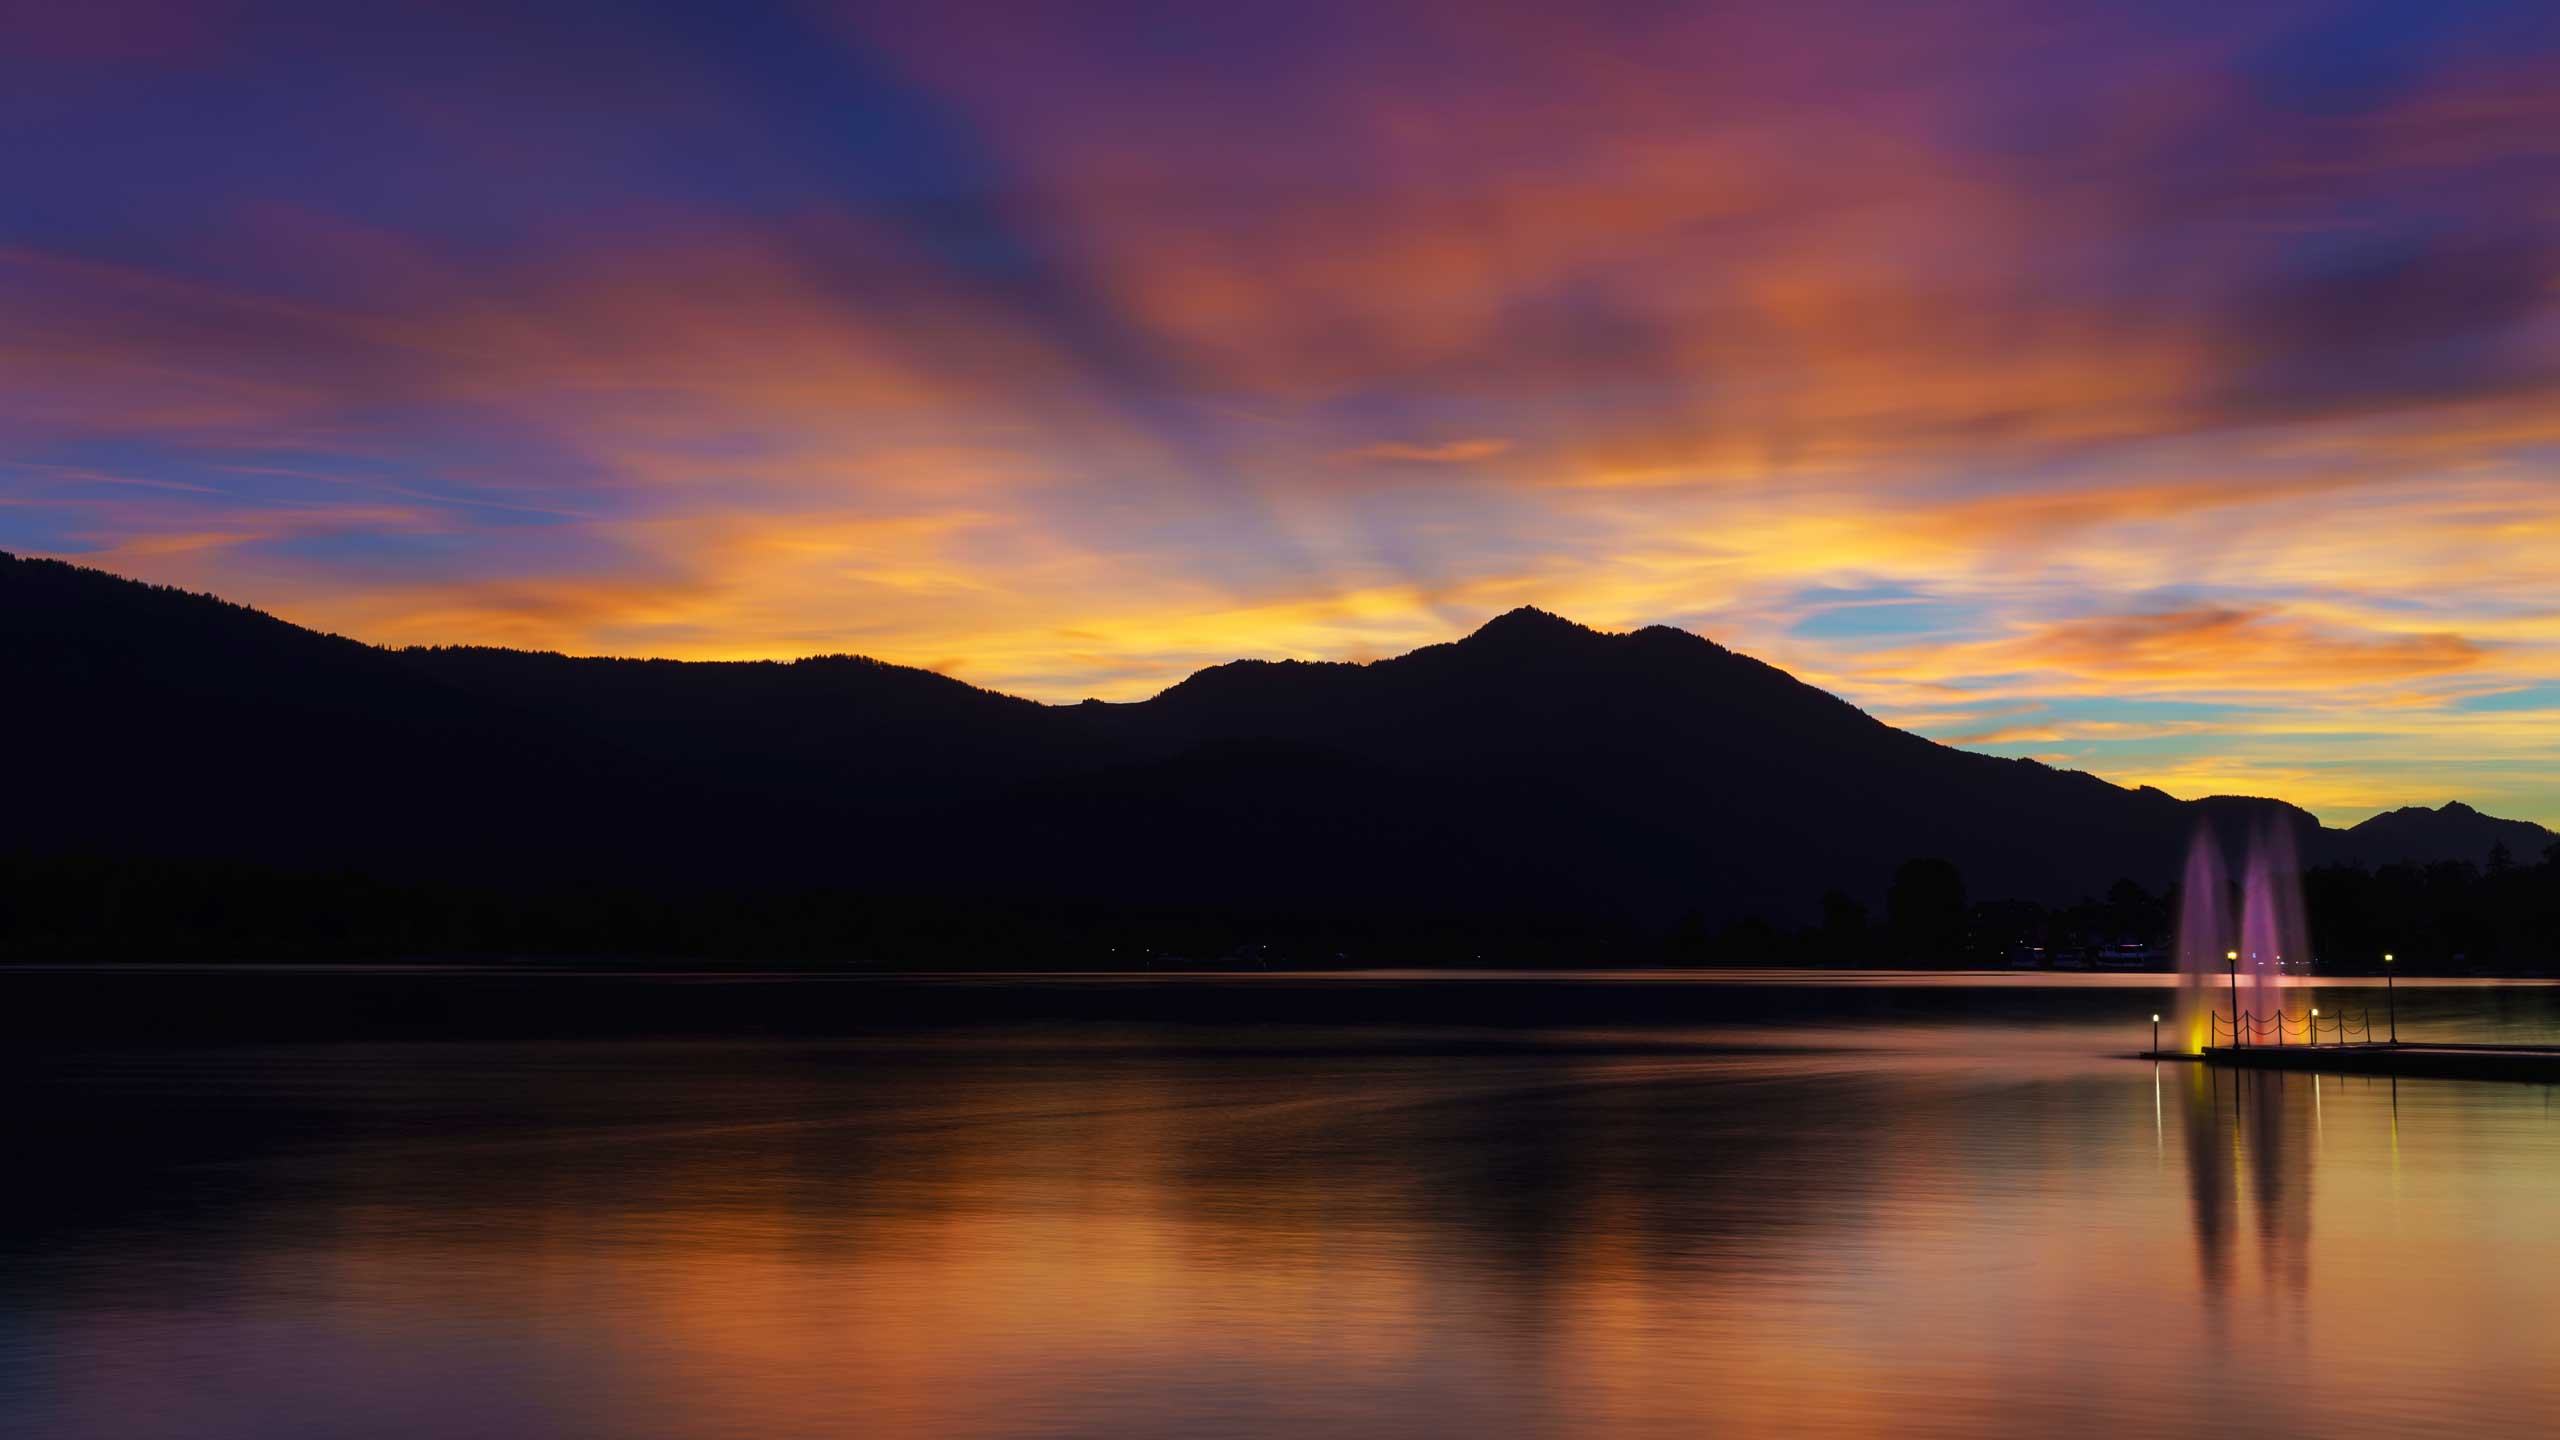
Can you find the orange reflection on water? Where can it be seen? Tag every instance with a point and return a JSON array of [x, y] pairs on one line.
[[1883, 1228]]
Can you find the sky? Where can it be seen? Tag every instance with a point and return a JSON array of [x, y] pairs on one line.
[[2170, 391]]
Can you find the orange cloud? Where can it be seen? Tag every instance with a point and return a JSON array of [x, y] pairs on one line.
[[1453, 452], [2217, 643]]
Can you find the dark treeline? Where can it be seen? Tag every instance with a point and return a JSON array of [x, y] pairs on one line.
[[2452, 917], [90, 907], [2449, 917], [2501, 918]]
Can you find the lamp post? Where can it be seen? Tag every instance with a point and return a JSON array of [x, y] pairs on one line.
[[2390, 998], [2231, 960], [2155, 1037], [2315, 1027]]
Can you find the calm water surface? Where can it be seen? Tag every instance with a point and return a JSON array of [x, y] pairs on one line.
[[1844, 1209]]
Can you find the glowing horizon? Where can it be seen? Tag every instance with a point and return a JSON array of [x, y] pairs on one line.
[[2170, 395]]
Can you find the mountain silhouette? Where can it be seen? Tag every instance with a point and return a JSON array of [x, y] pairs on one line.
[[2454, 832], [1534, 767]]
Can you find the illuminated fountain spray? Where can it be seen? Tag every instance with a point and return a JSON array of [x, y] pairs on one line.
[[2269, 931], [2272, 930], [2205, 931]]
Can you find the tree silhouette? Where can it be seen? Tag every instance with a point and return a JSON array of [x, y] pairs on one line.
[[1925, 910]]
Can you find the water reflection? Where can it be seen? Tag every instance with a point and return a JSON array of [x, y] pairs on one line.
[[2210, 1124], [2261, 1124], [1940, 1229]]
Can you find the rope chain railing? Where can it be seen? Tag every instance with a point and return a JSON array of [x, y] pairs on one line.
[[2275, 1028]]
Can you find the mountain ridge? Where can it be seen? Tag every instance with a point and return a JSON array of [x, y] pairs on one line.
[[1534, 762]]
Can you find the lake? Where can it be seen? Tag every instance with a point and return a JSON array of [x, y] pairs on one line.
[[408, 1203]]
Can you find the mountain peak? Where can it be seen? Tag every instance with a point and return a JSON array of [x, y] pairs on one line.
[[2453, 831], [1528, 622]]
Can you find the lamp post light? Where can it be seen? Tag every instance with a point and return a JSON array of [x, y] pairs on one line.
[[2390, 997], [2231, 960]]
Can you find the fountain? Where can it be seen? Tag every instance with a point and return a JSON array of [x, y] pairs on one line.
[[2272, 932], [2266, 928], [2204, 932], [2263, 926], [2269, 929]]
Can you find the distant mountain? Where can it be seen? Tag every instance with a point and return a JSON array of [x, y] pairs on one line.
[[2455, 832], [1535, 766]]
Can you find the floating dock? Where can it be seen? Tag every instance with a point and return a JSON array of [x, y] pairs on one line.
[[2539, 1064]]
